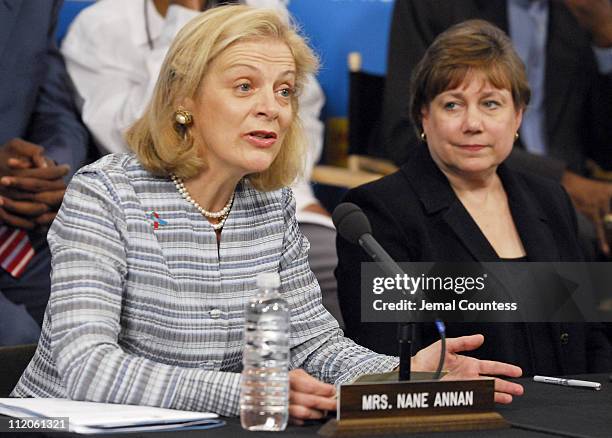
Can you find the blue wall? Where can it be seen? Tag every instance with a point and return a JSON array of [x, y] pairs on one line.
[[70, 9], [335, 28], [338, 27]]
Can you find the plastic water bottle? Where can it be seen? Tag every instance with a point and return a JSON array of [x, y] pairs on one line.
[[264, 394]]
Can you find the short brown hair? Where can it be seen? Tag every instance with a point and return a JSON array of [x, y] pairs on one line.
[[464, 47], [154, 137]]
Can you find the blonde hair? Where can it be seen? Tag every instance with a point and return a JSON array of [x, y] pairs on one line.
[[473, 45], [162, 147]]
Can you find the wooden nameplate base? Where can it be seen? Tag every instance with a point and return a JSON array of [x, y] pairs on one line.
[[414, 406]]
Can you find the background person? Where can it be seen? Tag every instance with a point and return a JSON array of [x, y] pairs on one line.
[[41, 140], [455, 200], [567, 49], [155, 254]]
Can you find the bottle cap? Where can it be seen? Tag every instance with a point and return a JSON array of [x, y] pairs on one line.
[[268, 280]]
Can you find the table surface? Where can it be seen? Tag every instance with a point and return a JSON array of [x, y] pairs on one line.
[[544, 410]]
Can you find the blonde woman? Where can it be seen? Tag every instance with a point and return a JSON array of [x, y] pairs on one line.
[[116, 85]]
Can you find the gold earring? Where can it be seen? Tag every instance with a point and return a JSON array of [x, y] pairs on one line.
[[423, 136], [183, 117], [516, 136]]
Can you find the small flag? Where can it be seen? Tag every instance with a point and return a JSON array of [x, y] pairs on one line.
[[157, 221], [16, 250]]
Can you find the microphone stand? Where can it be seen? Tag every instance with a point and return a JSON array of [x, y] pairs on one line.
[[404, 336], [353, 225], [406, 329]]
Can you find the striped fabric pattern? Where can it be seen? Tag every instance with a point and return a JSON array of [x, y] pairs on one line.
[[16, 250], [149, 316]]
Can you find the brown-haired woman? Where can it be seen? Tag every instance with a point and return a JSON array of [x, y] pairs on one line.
[[455, 201]]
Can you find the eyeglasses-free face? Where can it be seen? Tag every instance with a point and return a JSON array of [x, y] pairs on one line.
[[470, 129]]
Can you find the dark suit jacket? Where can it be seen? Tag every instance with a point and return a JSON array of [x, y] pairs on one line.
[[35, 91], [577, 98], [35, 105], [416, 216]]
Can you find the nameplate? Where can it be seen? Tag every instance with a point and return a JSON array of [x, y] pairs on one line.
[[415, 398]]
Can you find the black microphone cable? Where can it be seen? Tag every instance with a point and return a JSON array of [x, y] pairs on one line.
[[442, 331]]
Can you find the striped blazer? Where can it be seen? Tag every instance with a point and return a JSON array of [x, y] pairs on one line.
[[145, 308]]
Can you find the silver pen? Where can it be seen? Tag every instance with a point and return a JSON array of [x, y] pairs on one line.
[[568, 382]]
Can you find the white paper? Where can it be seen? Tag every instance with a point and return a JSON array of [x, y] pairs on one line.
[[90, 417]]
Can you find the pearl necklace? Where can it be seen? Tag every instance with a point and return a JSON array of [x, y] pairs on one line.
[[221, 214]]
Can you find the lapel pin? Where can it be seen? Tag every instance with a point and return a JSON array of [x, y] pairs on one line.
[[157, 221]]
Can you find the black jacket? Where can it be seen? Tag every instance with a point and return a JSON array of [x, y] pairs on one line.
[[416, 216]]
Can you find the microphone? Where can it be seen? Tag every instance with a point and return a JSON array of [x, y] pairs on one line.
[[352, 224]]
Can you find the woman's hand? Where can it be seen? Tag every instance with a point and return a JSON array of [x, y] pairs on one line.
[[464, 367], [309, 398]]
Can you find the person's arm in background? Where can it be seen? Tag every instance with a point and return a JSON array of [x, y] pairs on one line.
[[595, 16], [102, 60], [32, 169], [591, 197]]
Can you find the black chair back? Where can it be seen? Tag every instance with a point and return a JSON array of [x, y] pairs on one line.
[[366, 92], [13, 361]]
